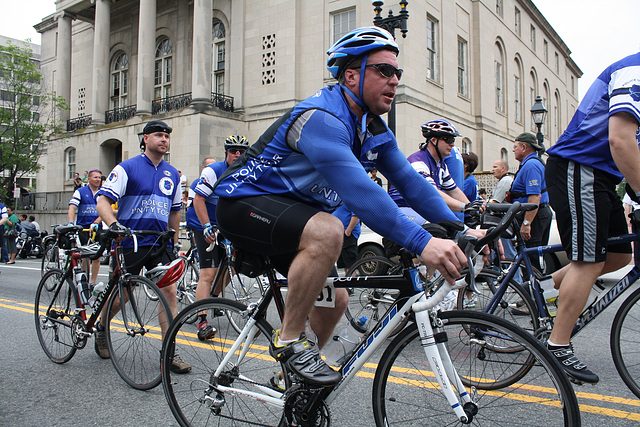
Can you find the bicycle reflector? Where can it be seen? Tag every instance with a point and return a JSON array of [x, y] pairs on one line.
[[164, 275]]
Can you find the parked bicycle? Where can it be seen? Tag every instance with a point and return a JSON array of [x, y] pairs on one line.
[[234, 380], [624, 337], [138, 311]]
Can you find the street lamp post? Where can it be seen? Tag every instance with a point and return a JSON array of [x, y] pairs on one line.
[[390, 23], [538, 114]]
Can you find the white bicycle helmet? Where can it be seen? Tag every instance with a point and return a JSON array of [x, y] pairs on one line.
[[164, 275]]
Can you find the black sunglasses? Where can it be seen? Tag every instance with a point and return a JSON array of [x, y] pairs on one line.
[[387, 70], [236, 151], [449, 139]]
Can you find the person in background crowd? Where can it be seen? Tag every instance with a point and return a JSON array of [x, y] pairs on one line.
[[375, 177], [183, 182], [4, 255], [455, 166], [77, 181], [83, 202], [482, 193], [10, 223], [85, 178]]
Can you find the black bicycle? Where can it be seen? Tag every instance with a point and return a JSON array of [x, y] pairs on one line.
[[138, 313]]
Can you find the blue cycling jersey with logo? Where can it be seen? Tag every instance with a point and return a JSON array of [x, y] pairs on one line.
[[586, 139], [146, 195], [316, 154], [84, 199], [204, 187]]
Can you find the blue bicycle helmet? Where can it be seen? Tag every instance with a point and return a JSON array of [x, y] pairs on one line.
[[356, 43]]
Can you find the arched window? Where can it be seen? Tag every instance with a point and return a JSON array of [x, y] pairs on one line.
[[504, 154], [545, 101], [557, 117], [119, 80], [70, 161], [517, 91], [499, 69], [163, 75], [466, 145], [533, 92], [219, 56]]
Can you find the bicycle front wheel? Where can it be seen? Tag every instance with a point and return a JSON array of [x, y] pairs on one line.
[[138, 315], [406, 392], [194, 397], [516, 304], [56, 302], [624, 341]]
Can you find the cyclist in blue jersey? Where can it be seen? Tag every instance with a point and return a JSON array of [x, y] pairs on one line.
[[204, 207], [277, 198], [440, 136], [147, 190], [83, 203], [597, 149]]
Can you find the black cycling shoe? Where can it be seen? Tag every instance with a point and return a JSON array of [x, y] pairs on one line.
[[206, 331], [572, 366], [302, 358]]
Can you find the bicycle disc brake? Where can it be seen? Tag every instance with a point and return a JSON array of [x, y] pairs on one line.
[[298, 410], [78, 333]]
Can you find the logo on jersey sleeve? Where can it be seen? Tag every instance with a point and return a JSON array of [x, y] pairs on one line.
[[113, 177], [634, 91], [167, 173], [166, 186]]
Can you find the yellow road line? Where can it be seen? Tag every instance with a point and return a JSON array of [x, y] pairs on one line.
[[225, 344]]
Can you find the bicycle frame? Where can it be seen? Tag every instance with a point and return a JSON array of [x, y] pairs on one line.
[[412, 292], [596, 308]]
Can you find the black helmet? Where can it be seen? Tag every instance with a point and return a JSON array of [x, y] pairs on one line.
[[236, 141]]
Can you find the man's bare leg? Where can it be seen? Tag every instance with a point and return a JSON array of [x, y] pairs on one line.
[[320, 246]]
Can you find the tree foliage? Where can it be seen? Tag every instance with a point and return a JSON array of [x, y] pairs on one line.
[[27, 114]]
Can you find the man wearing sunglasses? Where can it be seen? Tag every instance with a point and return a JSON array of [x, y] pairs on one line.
[[440, 136], [278, 198], [203, 211]]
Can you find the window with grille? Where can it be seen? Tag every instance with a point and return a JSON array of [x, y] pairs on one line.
[[219, 56], [119, 81], [163, 71], [343, 22], [462, 68]]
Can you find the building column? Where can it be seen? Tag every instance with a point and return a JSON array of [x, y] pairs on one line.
[[63, 62], [146, 56], [202, 53], [101, 43]]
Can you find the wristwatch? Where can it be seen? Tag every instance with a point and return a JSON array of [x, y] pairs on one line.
[[525, 222]]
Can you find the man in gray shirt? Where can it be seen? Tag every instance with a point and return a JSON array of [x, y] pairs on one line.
[[501, 172]]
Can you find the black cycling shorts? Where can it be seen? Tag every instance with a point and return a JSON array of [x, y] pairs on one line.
[[207, 259], [132, 259], [269, 225], [588, 209]]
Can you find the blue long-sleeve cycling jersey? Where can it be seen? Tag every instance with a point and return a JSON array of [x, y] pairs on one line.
[[316, 154]]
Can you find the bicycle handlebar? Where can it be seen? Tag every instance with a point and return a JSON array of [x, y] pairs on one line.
[[109, 235], [510, 210]]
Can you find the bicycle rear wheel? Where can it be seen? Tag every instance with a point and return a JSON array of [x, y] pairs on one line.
[[56, 302], [187, 286], [134, 331], [50, 259], [624, 341], [406, 392], [193, 397], [370, 302]]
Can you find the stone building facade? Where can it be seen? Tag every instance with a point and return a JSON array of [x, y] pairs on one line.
[[211, 68]]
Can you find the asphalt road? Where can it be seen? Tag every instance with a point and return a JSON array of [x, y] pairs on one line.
[[88, 391]]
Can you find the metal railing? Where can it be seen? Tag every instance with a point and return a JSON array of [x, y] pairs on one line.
[[170, 103], [223, 102], [79, 122], [119, 114]]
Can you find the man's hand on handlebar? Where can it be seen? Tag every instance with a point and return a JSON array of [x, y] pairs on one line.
[[445, 256], [120, 230], [486, 251]]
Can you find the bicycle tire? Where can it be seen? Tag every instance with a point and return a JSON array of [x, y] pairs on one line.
[[487, 284], [53, 326], [187, 285], [191, 396], [405, 391], [136, 357], [624, 342], [50, 259]]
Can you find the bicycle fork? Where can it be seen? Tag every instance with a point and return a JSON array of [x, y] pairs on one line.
[[451, 386]]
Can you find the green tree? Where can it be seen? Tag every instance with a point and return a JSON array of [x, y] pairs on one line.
[[27, 115]]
